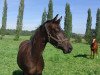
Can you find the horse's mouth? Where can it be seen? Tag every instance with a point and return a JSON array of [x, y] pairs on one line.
[[67, 52]]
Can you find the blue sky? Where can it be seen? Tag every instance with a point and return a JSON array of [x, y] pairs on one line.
[[34, 8]]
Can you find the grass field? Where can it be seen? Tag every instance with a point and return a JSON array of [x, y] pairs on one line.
[[56, 63]]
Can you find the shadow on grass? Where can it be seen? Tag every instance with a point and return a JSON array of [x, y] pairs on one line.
[[82, 56], [17, 72]]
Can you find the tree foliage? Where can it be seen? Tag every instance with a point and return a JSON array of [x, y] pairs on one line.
[[19, 20], [97, 28], [78, 39], [68, 21], [50, 10], [44, 17], [4, 20], [88, 34], [23, 32]]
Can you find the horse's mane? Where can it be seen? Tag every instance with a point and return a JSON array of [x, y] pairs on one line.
[[33, 35], [36, 31]]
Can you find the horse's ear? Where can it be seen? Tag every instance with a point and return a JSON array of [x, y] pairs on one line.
[[55, 17], [59, 19]]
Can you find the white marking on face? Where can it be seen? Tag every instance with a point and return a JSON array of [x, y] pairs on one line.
[[93, 40]]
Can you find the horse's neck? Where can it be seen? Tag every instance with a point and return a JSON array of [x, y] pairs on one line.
[[39, 42]]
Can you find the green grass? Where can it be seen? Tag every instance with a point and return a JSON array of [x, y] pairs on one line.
[[56, 63]]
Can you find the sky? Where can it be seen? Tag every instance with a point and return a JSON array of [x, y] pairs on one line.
[[34, 9]]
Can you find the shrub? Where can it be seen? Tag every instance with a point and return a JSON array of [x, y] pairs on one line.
[[78, 39]]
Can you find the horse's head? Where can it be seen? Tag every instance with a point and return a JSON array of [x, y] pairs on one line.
[[93, 42], [56, 35]]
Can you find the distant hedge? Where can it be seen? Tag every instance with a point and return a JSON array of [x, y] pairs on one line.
[[24, 32]]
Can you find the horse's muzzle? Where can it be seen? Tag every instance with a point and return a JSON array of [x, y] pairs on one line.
[[68, 51]]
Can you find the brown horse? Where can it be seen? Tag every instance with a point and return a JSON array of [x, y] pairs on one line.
[[94, 48], [30, 58]]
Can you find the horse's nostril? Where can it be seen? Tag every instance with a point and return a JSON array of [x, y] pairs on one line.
[[70, 48]]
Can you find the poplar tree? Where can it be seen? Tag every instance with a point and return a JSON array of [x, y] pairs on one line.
[[88, 34], [4, 20], [97, 28], [19, 20], [68, 21], [44, 17], [50, 10]]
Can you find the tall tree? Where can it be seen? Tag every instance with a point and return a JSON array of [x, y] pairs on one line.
[[44, 17], [4, 20], [68, 21], [88, 27], [50, 10], [19, 20], [97, 28]]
